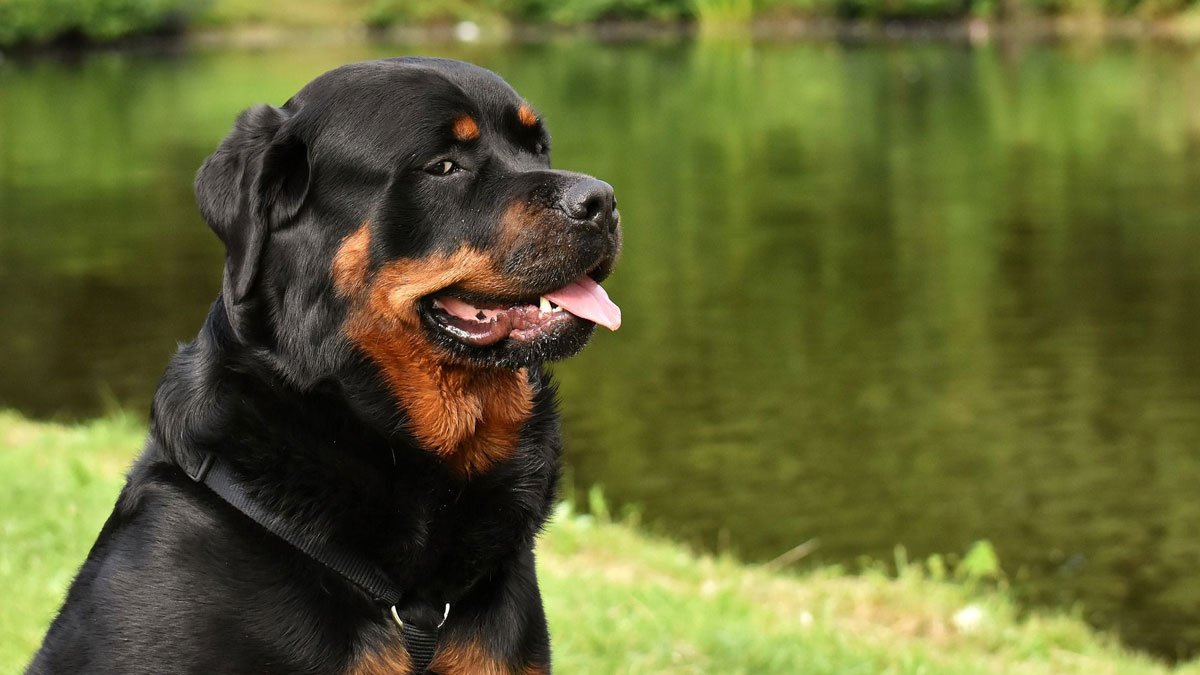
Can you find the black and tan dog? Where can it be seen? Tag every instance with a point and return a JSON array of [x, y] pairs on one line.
[[367, 389]]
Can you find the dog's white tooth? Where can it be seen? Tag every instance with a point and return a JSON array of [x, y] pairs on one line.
[[544, 305]]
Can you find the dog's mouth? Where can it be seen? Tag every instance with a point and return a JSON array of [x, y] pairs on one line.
[[481, 322]]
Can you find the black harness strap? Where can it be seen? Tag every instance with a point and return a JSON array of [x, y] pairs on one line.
[[358, 570], [421, 643]]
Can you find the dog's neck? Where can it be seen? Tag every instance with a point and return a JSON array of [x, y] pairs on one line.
[[217, 390], [469, 418]]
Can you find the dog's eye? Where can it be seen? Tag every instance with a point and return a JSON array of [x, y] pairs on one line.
[[443, 168]]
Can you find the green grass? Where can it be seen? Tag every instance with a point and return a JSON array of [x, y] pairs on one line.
[[618, 601]]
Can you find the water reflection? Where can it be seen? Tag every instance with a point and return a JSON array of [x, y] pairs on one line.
[[890, 294]]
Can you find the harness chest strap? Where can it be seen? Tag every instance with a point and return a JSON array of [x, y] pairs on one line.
[[421, 643]]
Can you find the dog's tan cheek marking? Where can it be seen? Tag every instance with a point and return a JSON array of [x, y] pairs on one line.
[[526, 115], [470, 416], [525, 227], [519, 222], [465, 128], [350, 263]]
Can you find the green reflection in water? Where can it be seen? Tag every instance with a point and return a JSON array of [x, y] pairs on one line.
[[888, 294]]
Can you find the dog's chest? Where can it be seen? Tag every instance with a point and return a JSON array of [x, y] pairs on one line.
[[459, 527]]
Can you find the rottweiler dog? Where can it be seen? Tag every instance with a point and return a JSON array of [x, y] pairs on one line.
[[368, 389]]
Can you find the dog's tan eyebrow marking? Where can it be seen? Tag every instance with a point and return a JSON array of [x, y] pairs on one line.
[[465, 128], [526, 115]]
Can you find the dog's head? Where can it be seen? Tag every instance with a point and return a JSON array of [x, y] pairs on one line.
[[443, 173], [407, 208]]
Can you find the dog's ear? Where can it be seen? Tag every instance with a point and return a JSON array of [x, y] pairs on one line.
[[255, 182]]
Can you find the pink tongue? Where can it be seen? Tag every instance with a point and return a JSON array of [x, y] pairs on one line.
[[586, 299]]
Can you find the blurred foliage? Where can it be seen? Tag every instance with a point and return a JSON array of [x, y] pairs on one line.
[[570, 12], [302, 14], [32, 21], [719, 12], [39, 21]]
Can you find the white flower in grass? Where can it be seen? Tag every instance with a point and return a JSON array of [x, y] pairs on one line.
[[969, 618]]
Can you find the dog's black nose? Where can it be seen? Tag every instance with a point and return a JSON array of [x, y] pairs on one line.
[[589, 200]]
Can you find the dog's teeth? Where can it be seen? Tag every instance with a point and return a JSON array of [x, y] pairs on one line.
[[544, 305]]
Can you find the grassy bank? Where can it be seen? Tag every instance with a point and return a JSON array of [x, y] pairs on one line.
[[618, 602]]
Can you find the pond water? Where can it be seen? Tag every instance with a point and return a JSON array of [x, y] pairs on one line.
[[910, 294]]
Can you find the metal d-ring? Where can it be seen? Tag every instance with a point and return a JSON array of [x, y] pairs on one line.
[[396, 616], [400, 622]]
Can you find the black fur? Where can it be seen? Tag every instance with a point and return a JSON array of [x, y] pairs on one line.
[[180, 582]]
